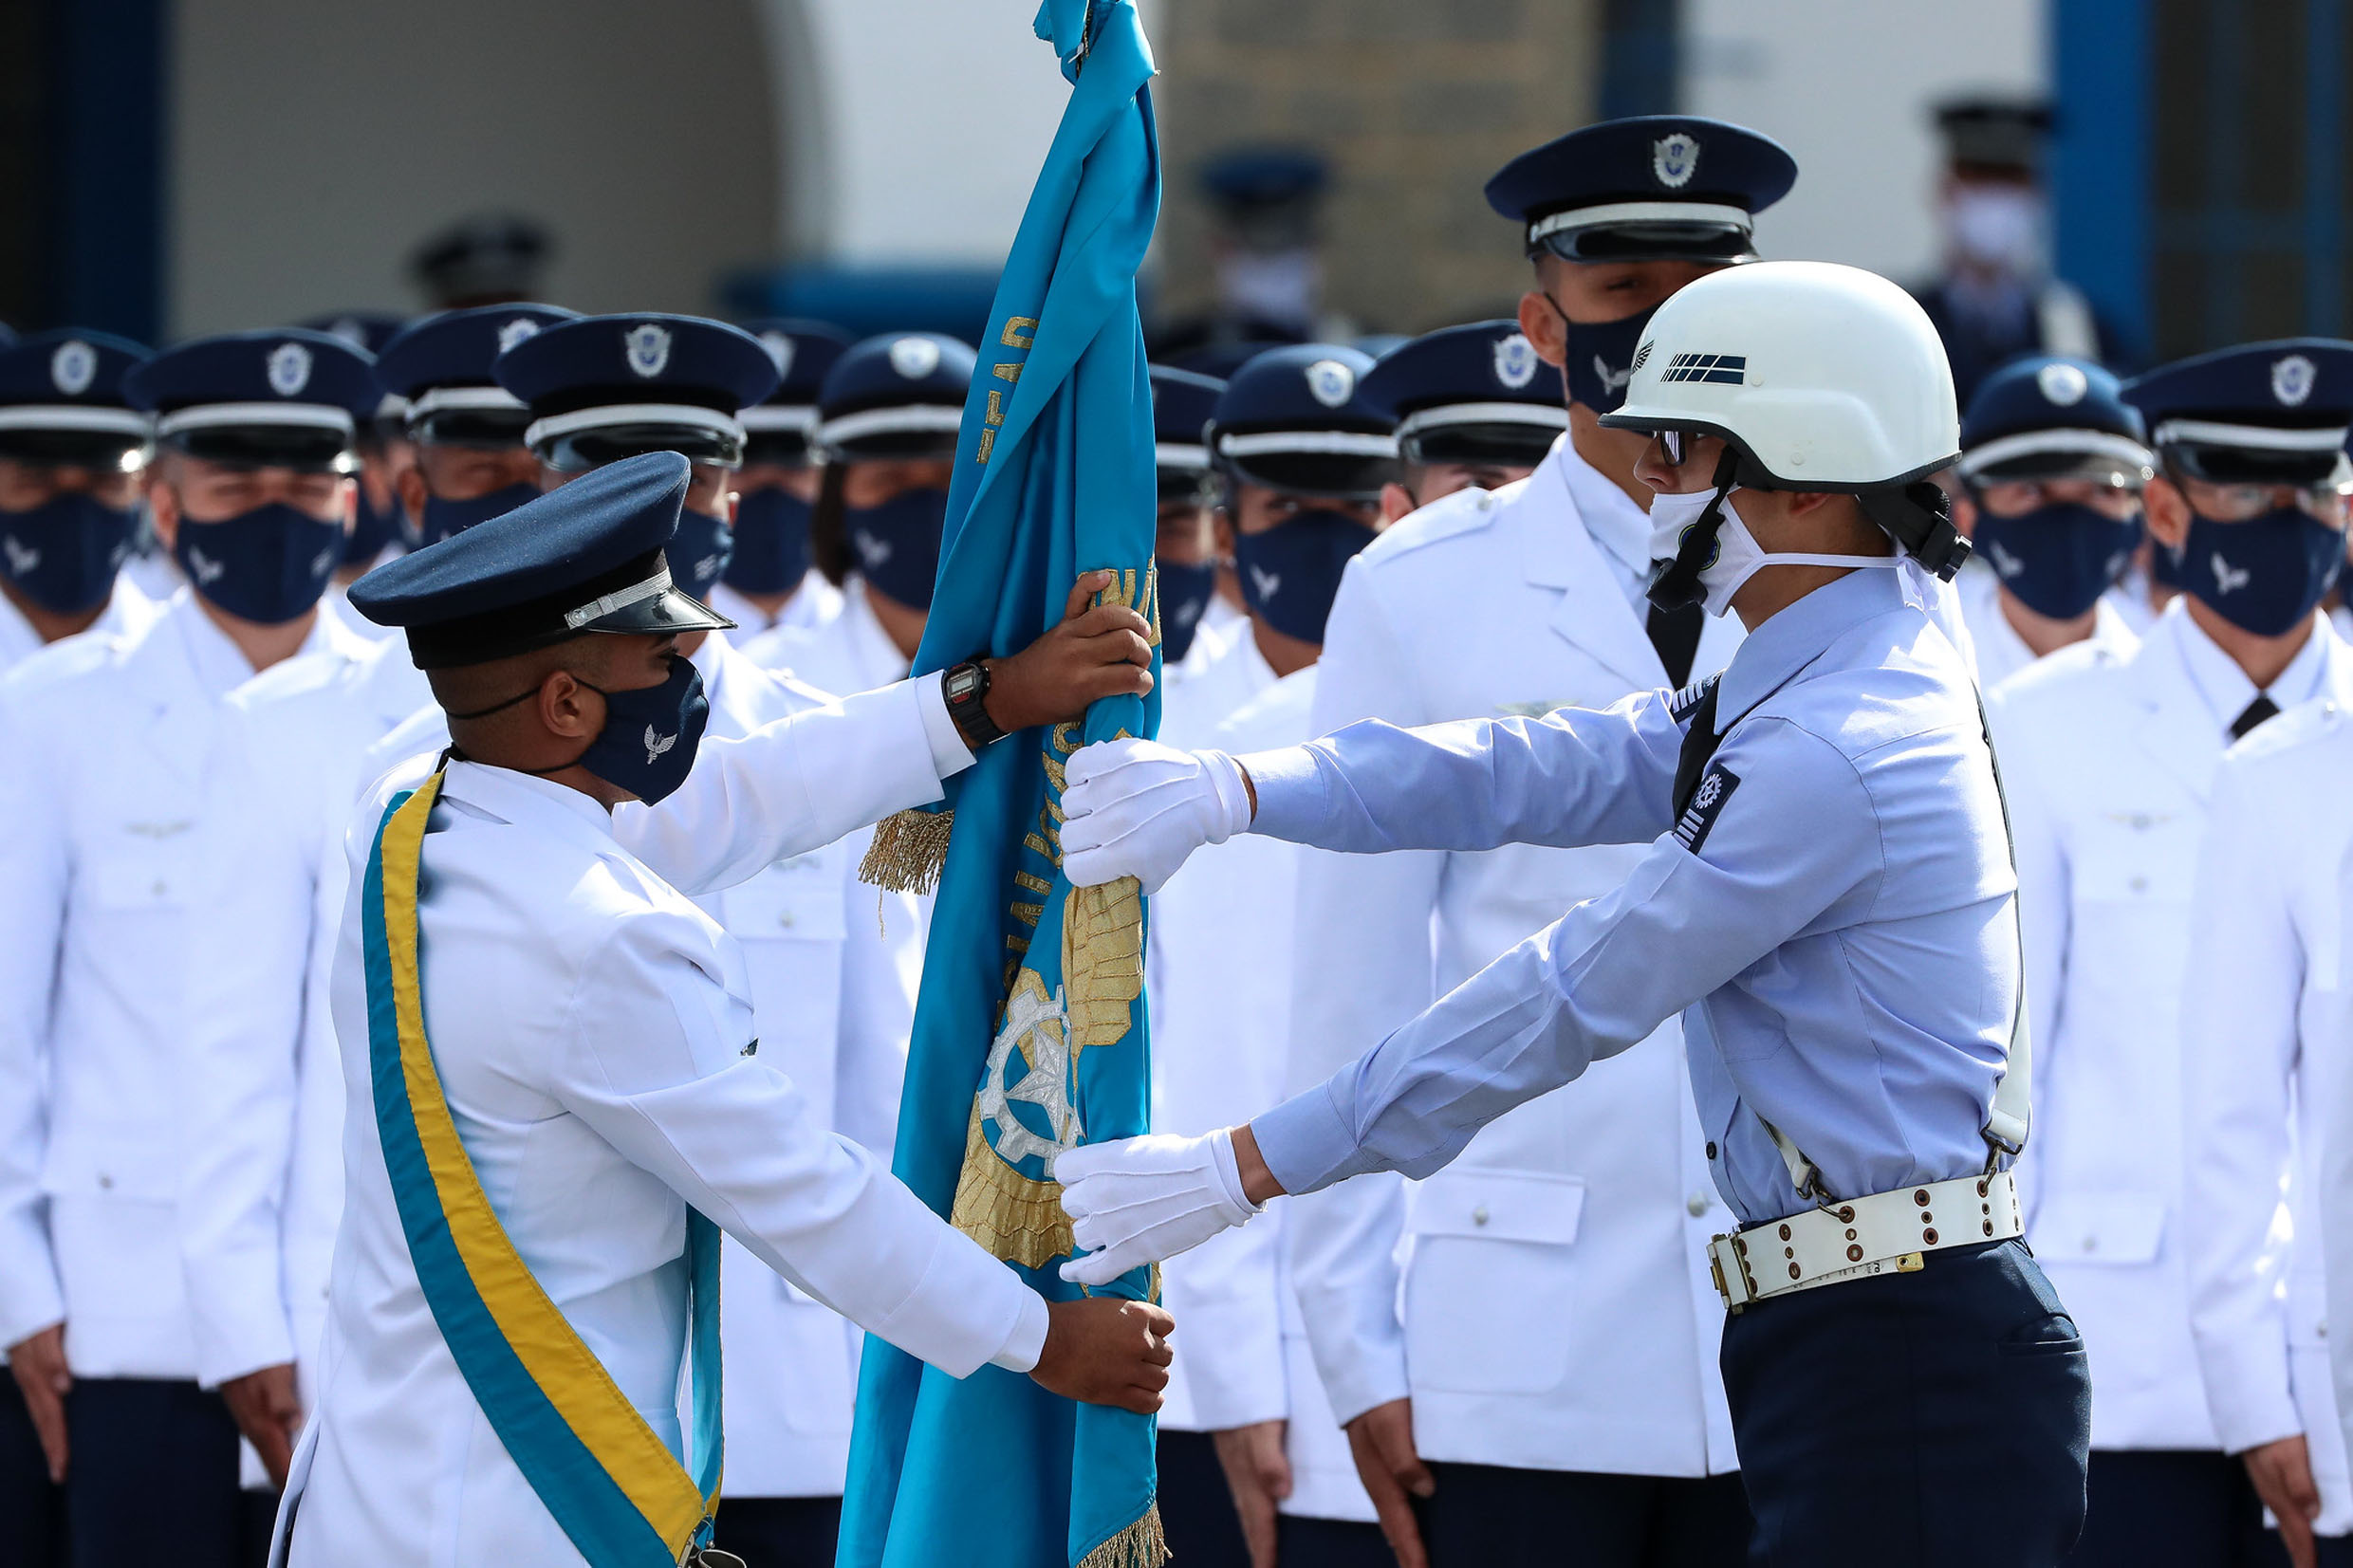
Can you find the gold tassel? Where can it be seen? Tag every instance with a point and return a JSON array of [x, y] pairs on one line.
[[1010, 1215], [1142, 1544], [908, 851]]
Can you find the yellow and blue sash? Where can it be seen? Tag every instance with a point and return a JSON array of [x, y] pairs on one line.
[[613, 1485]]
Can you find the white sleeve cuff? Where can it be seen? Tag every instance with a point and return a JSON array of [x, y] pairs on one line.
[[950, 755], [1026, 1343]]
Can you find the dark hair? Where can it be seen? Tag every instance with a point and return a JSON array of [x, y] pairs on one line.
[[830, 547]]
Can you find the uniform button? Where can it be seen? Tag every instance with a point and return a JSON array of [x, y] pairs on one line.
[[1478, 1215], [785, 919], [2138, 884], [2091, 1243], [160, 890], [1712, 1151], [106, 1182], [1697, 1203]]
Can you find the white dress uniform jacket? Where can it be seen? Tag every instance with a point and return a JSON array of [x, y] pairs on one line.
[[2265, 1051], [833, 965], [850, 651], [1552, 1309], [2001, 652], [104, 741], [126, 612], [813, 603], [591, 1026], [1221, 1031], [2109, 761]]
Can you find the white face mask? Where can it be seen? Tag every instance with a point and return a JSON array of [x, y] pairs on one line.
[[1997, 226], [1738, 555]]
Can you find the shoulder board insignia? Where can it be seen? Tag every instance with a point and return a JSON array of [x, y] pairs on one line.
[[1684, 703]]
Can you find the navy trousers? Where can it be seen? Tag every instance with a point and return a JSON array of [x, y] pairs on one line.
[[1939, 1419], [1487, 1516], [2194, 1508], [779, 1532], [152, 1475], [32, 1512], [1301, 1543], [1196, 1506]]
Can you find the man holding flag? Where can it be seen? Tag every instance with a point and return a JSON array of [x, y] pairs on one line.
[[1030, 1029]]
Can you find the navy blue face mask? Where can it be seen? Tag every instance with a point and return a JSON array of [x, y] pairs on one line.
[[650, 736], [1185, 592], [699, 552], [1290, 573], [2266, 574], [1600, 356], [444, 519], [896, 544], [771, 543], [268, 565], [63, 554], [2057, 559]]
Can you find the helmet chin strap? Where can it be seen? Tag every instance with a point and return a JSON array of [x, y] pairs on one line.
[[1674, 583]]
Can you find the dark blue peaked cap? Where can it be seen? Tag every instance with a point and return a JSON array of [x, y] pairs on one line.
[[585, 557], [900, 394], [60, 396], [779, 430], [282, 395], [1295, 419], [1648, 188], [439, 367], [600, 387], [2051, 416], [2262, 413], [1475, 394], [1181, 405]]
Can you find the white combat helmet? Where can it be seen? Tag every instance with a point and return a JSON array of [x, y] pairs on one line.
[[1820, 377]]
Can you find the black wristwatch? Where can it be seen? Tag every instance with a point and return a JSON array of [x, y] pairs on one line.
[[966, 687]]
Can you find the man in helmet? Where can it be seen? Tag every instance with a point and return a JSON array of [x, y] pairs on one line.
[[1826, 897]]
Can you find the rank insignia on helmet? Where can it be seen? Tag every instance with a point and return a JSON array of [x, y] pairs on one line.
[[73, 368], [1707, 803], [516, 331], [289, 368], [648, 349], [1331, 382], [2292, 378], [1515, 361], [2063, 384], [915, 358], [1674, 159]]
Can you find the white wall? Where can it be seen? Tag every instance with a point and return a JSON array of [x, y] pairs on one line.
[[1846, 85], [934, 120]]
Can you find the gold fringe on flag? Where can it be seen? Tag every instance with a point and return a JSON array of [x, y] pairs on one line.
[[1142, 1544], [908, 851], [1015, 1218]]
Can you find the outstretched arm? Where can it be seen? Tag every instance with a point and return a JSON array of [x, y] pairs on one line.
[[1576, 775]]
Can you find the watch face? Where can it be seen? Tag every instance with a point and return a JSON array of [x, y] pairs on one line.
[[963, 680]]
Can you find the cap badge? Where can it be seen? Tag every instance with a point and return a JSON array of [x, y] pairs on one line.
[[73, 368], [779, 346], [915, 358], [289, 367], [1515, 361], [1330, 382], [516, 331], [2292, 378], [1674, 159], [2063, 384], [648, 348]]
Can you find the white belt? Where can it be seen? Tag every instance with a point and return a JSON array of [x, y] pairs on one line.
[[1884, 1233]]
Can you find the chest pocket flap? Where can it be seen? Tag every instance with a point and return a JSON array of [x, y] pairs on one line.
[[800, 899], [1501, 1205]]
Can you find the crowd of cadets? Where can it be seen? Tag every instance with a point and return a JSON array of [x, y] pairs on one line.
[[1518, 1354]]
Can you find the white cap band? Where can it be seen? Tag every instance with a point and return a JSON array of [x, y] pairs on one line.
[[774, 416], [907, 419], [1177, 455], [75, 417], [2038, 443], [215, 416], [435, 400], [1610, 215], [1545, 415], [1316, 443], [2214, 432]]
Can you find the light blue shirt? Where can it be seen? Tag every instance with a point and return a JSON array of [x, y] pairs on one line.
[[1839, 935]]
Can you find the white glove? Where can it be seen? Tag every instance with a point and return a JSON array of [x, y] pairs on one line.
[[1137, 1201], [1137, 808]]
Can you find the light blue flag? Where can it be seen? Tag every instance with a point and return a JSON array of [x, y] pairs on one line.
[[1029, 1035]]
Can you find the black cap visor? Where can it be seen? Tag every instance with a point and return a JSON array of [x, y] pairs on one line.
[[2251, 458], [107, 452], [481, 429], [1507, 446], [594, 448], [787, 447], [1661, 239], [635, 597], [305, 449]]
